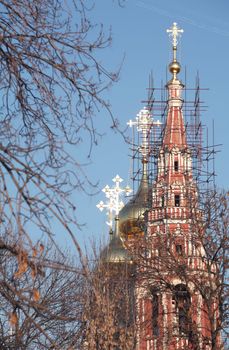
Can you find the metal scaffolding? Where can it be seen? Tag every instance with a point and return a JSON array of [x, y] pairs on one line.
[[200, 144]]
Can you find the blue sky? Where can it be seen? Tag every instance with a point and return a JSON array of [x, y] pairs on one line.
[[141, 42]]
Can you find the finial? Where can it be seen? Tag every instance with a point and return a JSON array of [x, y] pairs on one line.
[[144, 123], [174, 33], [114, 202]]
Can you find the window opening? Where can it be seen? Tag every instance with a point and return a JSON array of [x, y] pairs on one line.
[[179, 249], [183, 301], [155, 314], [176, 165], [177, 200]]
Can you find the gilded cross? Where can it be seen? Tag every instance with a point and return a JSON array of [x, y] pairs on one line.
[[144, 122], [113, 195], [175, 33]]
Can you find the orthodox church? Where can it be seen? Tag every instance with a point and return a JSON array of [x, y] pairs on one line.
[[160, 231]]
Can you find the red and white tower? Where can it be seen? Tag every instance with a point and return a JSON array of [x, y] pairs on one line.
[[160, 233], [171, 312]]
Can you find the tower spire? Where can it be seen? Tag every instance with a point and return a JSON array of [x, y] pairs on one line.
[[174, 134], [174, 32]]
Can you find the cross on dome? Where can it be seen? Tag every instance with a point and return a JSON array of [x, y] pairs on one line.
[[114, 203], [108, 205], [144, 122], [175, 33]]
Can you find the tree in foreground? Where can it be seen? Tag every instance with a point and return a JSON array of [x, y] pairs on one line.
[[61, 307], [43, 309], [51, 86], [109, 308]]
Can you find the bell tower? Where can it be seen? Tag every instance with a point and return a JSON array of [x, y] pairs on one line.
[[160, 233], [171, 312]]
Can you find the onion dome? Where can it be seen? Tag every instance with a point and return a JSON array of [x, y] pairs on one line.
[[116, 252], [131, 217]]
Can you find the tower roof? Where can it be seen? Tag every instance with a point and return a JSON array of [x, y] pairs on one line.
[[174, 134]]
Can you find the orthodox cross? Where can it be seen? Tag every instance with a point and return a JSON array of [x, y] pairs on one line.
[[175, 33], [114, 202], [144, 122]]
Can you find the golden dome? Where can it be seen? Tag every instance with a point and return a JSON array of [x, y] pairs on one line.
[[131, 217], [116, 252]]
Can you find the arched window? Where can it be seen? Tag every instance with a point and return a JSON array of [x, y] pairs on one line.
[[155, 313], [182, 300]]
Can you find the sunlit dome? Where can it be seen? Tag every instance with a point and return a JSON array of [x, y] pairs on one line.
[[131, 217], [116, 252]]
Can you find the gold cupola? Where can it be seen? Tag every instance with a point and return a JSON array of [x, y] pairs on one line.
[[115, 252], [131, 217]]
